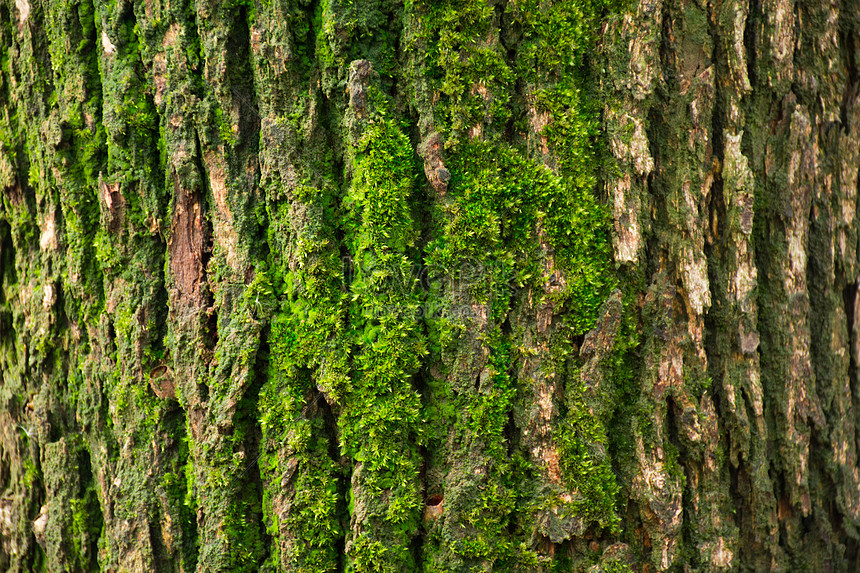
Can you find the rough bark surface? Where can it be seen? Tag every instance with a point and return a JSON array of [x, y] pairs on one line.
[[429, 285]]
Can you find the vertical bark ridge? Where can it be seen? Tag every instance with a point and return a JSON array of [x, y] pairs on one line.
[[304, 475]]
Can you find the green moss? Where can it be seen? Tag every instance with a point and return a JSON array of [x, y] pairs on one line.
[[86, 526], [177, 483], [518, 224], [381, 413], [581, 440], [615, 566], [309, 328], [502, 208], [519, 221], [629, 413], [463, 60], [313, 520], [307, 338], [508, 213], [348, 30], [32, 475]]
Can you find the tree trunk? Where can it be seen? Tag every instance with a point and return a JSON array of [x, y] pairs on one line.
[[434, 285]]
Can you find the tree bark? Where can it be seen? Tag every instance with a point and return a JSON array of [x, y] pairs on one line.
[[455, 285]]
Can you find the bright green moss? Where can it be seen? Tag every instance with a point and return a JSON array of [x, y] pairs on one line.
[[463, 60], [314, 517], [581, 440], [370, 555], [615, 566], [381, 415], [519, 221], [308, 331], [503, 208], [86, 526], [306, 346], [506, 214]]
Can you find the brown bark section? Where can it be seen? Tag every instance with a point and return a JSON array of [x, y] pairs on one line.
[[736, 199]]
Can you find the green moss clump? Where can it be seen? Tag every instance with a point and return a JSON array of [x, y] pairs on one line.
[[502, 208], [298, 446], [381, 416], [581, 439], [519, 226], [348, 30], [615, 566], [303, 477], [509, 220], [308, 370], [463, 60]]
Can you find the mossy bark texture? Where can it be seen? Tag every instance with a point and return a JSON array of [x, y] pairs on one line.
[[429, 285]]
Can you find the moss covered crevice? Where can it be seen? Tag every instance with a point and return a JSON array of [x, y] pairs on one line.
[[380, 418]]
